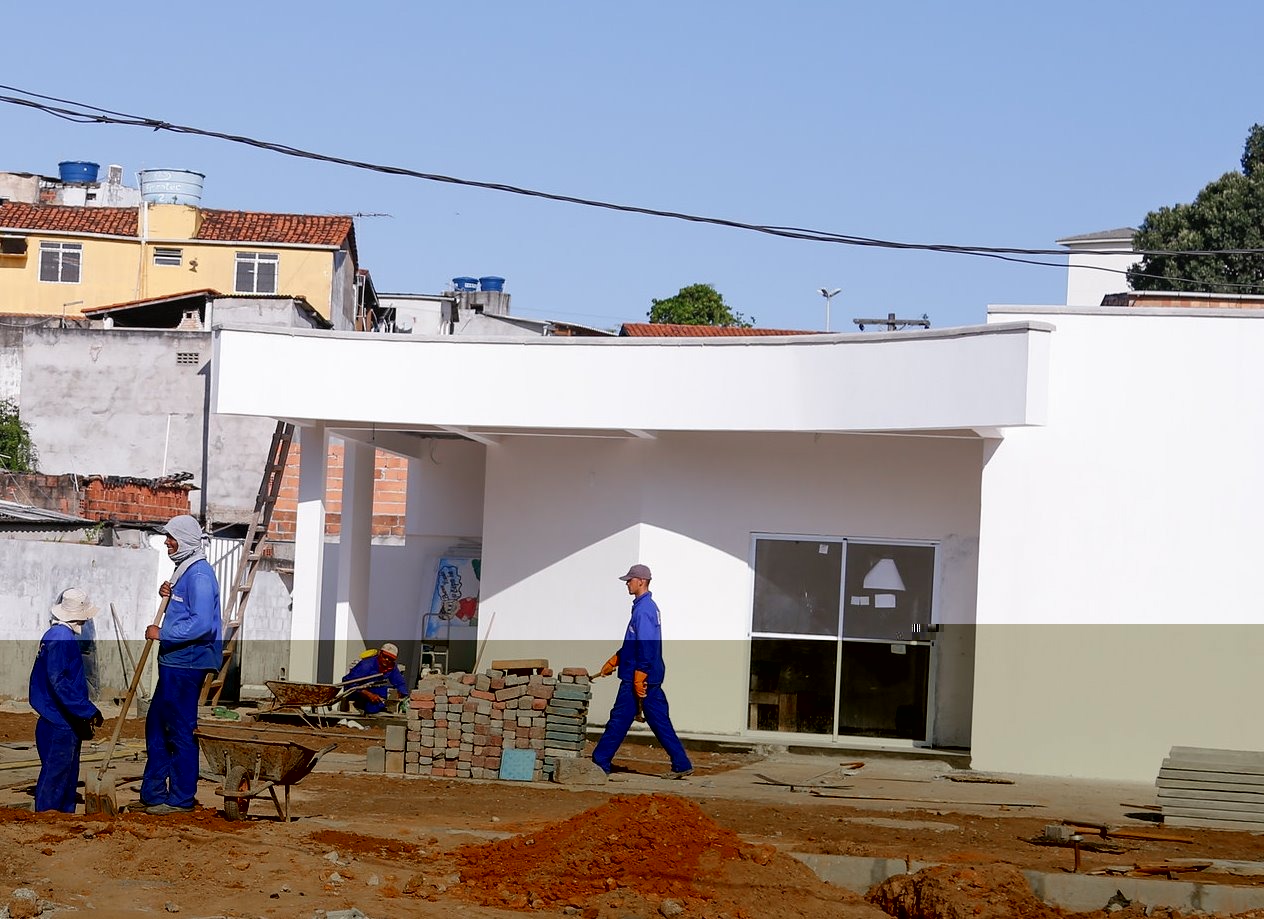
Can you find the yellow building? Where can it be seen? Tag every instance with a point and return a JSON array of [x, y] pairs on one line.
[[61, 260]]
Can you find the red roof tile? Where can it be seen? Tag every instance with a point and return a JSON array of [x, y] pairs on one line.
[[294, 229], [669, 330], [217, 226], [59, 218]]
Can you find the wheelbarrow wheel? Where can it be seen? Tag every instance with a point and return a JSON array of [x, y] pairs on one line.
[[237, 779]]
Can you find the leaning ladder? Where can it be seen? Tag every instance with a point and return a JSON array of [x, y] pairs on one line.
[[252, 553]]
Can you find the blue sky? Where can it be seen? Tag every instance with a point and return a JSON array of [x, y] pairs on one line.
[[1007, 124]]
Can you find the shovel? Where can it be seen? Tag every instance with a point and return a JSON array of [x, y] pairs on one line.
[[98, 791]]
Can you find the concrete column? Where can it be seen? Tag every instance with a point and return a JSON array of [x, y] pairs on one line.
[[351, 615], [309, 552]]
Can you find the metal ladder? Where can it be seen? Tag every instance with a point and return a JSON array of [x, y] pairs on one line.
[[252, 552]]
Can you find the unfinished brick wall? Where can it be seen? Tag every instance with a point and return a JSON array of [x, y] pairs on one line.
[[390, 495], [460, 724], [95, 497]]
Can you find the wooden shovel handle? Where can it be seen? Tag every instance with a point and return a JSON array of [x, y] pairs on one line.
[[131, 693]]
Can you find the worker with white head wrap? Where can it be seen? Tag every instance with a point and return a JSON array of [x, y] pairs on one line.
[[189, 647], [59, 692]]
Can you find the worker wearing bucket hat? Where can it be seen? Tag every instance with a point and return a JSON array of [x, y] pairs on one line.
[[59, 692], [375, 673]]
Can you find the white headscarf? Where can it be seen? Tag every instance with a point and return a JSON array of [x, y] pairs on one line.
[[187, 533]]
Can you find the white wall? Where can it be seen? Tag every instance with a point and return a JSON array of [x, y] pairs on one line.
[[1115, 540], [1087, 282], [565, 518]]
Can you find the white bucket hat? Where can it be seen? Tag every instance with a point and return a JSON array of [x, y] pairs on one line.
[[74, 606]]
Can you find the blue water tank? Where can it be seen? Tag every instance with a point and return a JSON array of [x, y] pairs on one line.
[[491, 282], [171, 186], [78, 172], [465, 284]]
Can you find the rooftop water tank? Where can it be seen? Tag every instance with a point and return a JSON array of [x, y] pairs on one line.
[[491, 283], [171, 186], [464, 284], [77, 172]]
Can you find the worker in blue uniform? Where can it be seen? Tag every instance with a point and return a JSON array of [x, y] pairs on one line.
[[641, 670], [189, 647], [376, 674], [58, 691]]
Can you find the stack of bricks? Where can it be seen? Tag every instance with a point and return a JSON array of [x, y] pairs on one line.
[[459, 724]]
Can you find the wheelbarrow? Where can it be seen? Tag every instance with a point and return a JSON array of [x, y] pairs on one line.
[[250, 762], [287, 694]]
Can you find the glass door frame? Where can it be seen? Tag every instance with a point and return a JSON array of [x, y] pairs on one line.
[[838, 639]]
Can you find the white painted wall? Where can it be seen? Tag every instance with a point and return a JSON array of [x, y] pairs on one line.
[[1117, 609], [565, 518], [1091, 277], [983, 376]]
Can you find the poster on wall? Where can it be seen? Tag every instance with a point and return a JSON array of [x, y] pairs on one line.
[[454, 604]]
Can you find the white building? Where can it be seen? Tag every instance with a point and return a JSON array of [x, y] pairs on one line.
[[1029, 539]]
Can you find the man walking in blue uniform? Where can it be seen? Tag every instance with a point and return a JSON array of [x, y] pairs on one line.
[[189, 647], [59, 692], [639, 663], [376, 674]]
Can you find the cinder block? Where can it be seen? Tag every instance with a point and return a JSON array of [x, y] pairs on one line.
[[394, 761], [375, 759], [396, 737]]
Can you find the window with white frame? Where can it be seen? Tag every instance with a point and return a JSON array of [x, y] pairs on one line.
[[256, 273], [60, 262], [168, 256]]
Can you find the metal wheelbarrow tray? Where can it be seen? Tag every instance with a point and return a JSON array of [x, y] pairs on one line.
[[250, 762]]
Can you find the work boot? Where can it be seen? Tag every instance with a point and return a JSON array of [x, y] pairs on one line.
[[160, 810], [679, 773]]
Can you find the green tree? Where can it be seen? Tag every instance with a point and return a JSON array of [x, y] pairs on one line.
[[697, 304], [17, 453], [1227, 214]]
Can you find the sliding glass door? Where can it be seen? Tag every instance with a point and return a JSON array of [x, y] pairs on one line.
[[841, 640]]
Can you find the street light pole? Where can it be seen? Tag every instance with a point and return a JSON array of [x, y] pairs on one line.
[[829, 295]]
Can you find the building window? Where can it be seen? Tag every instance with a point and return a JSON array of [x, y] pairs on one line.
[[168, 256], [842, 637], [256, 273], [59, 262]]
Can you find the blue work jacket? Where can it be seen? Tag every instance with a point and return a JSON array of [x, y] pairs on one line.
[[367, 667], [58, 688], [190, 636], [643, 642]]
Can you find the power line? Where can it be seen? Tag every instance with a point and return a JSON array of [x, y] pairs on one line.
[[84, 113]]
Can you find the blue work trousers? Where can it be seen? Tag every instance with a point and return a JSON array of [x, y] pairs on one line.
[[622, 714], [58, 749], [171, 766]]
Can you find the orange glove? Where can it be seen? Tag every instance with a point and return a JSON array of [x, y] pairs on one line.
[[372, 697], [609, 666], [639, 683]]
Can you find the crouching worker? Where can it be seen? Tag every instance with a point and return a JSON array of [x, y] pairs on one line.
[[376, 674], [59, 692]]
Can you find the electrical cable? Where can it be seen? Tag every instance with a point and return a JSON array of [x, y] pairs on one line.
[[84, 113]]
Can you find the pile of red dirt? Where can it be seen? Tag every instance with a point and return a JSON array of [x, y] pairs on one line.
[[961, 892], [629, 855]]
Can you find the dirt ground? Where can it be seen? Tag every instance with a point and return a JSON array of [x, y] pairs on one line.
[[715, 845]]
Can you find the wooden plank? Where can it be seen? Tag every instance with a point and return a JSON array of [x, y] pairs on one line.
[[1214, 804], [1214, 823], [1222, 777], [1207, 794], [1214, 765], [1230, 756], [534, 663]]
